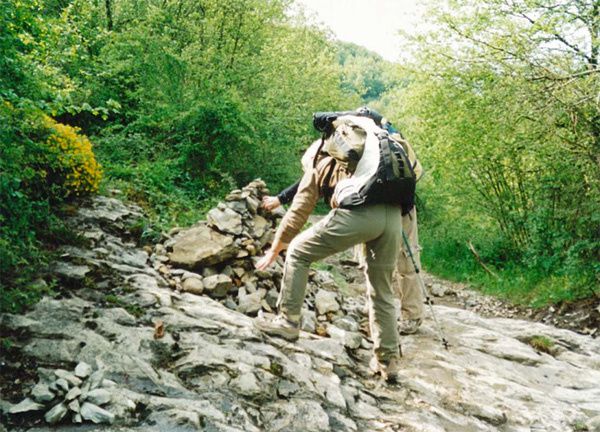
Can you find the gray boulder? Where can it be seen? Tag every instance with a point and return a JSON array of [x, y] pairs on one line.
[[225, 220], [24, 406], [41, 393], [73, 393], [217, 285], [438, 290], [98, 396], [250, 304], [193, 285], [56, 414], [350, 339], [308, 321], [68, 376], [83, 370], [202, 246], [75, 406], [325, 301], [260, 226], [96, 414], [347, 323]]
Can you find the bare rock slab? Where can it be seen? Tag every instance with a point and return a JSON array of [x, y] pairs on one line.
[[305, 415]]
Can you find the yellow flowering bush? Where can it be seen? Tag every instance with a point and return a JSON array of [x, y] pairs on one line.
[[77, 163]]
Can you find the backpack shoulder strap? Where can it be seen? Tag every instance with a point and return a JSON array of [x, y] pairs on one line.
[[386, 154]]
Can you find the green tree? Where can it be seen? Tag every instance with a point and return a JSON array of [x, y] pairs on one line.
[[365, 73], [502, 99]]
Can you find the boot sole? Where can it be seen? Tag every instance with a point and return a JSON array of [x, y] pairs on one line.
[[274, 332], [407, 332], [382, 372], [384, 376]]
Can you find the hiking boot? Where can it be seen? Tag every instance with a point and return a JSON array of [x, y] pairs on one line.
[[279, 326], [410, 326], [389, 369]]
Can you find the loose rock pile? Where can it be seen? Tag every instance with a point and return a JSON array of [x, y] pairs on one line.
[[80, 394], [217, 258]]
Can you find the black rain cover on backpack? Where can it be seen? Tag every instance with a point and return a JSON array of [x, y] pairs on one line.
[[384, 172], [394, 181]]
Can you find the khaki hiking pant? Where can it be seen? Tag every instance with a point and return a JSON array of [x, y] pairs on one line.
[[407, 283], [377, 227], [410, 296]]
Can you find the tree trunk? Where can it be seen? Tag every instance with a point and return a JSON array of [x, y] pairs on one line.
[[109, 18], [595, 34]]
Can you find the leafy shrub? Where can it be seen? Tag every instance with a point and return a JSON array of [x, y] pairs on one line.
[[78, 171], [42, 163]]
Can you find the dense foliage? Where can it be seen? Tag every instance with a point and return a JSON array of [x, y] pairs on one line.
[[504, 102], [182, 99], [200, 95], [365, 73], [185, 99], [43, 163]]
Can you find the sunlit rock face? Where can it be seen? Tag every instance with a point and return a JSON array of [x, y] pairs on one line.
[[147, 342]]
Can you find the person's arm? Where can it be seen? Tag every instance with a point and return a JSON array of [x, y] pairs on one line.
[[270, 203], [302, 206], [287, 195]]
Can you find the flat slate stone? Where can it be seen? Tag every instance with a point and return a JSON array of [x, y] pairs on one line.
[[25, 405], [202, 246]]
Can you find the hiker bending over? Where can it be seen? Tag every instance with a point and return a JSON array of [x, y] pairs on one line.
[[373, 224], [407, 286]]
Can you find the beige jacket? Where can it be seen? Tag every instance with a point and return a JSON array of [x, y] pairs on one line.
[[320, 181], [315, 183]]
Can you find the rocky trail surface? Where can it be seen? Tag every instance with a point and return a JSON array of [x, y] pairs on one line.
[[162, 339]]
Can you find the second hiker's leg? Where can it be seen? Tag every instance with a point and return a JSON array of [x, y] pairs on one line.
[[410, 293]]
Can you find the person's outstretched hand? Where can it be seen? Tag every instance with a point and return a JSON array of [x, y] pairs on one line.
[[270, 255], [266, 260], [270, 203]]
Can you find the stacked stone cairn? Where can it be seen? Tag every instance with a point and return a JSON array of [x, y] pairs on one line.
[[79, 394], [217, 258]]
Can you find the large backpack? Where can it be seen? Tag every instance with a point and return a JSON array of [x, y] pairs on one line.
[[382, 171]]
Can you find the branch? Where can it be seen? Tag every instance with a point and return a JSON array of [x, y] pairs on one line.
[[561, 39], [480, 261], [509, 53], [481, 42]]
